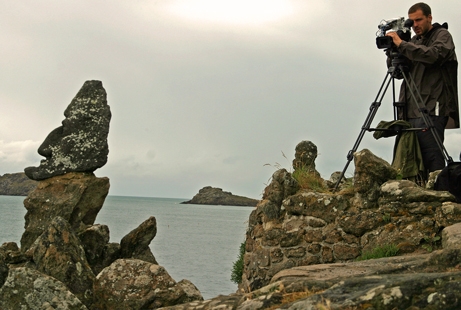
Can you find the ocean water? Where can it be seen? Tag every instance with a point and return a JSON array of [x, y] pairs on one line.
[[194, 242]]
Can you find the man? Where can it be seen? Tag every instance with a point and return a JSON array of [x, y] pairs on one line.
[[434, 69]]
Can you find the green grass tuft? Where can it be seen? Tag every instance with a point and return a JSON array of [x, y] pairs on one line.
[[309, 180], [387, 250]]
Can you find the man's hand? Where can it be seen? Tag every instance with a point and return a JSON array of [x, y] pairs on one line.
[[395, 38]]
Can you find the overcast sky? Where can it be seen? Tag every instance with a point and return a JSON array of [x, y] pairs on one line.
[[202, 92]]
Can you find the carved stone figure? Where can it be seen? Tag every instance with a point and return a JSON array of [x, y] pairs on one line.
[[80, 144]]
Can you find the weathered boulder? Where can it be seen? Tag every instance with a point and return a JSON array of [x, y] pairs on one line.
[[80, 144], [58, 253], [11, 254], [192, 292], [76, 197], [136, 284], [29, 289], [282, 185], [216, 196], [98, 251], [451, 236], [404, 191], [16, 184], [370, 173], [136, 243]]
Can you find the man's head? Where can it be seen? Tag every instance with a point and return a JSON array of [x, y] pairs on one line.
[[421, 15]]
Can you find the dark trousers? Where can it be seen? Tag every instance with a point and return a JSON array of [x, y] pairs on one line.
[[433, 158]]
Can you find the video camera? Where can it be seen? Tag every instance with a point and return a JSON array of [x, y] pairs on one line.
[[400, 25]]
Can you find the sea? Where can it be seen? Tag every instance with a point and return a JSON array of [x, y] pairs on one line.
[[199, 243]]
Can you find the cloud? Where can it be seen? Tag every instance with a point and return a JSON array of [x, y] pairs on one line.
[[17, 155], [200, 102]]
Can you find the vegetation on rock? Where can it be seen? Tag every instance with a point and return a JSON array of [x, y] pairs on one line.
[[237, 268], [387, 250]]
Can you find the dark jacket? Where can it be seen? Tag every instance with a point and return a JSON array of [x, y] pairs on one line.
[[434, 68]]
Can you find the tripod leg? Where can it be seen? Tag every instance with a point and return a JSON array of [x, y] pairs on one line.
[[366, 125], [416, 95]]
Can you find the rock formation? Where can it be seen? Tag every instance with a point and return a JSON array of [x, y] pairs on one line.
[[292, 228], [302, 246], [80, 144], [66, 260], [16, 184], [75, 197], [216, 196]]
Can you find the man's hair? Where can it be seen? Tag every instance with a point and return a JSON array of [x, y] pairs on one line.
[[420, 6]]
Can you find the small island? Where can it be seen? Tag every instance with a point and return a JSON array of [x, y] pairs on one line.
[[16, 184], [216, 196]]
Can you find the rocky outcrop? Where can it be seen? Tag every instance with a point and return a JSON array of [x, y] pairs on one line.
[[136, 243], [75, 197], [63, 250], [65, 260], [26, 288], [302, 246], [80, 144], [419, 281], [16, 184], [57, 252], [140, 285], [290, 229], [216, 196]]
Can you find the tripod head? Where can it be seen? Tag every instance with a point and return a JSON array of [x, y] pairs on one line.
[[399, 64]]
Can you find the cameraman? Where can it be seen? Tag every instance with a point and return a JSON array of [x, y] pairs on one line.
[[434, 69]]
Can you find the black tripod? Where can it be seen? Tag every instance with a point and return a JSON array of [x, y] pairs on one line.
[[397, 70]]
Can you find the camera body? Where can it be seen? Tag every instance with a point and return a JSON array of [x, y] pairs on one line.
[[399, 25]]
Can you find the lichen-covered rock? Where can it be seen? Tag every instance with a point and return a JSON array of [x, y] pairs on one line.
[[394, 291], [80, 144], [95, 242], [451, 236], [320, 205], [448, 214], [28, 289], [76, 197], [11, 254], [136, 284], [305, 155], [370, 173], [282, 185], [136, 243], [407, 191], [192, 292], [58, 253]]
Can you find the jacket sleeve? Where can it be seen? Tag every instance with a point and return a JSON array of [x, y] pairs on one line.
[[439, 49]]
